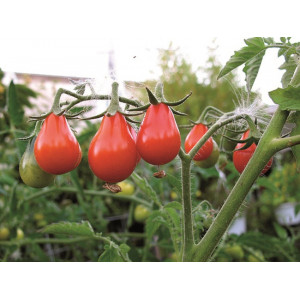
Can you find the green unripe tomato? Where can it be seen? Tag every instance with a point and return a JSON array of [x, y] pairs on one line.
[[126, 187], [141, 213], [20, 234], [30, 172], [257, 256], [211, 160], [235, 251], [4, 233]]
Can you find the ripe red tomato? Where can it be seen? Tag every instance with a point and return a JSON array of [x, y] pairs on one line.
[[134, 135], [56, 149], [193, 137], [158, 140], [112, 153], [241, 157]]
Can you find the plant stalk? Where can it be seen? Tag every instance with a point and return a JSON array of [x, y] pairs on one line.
[[262, 155]]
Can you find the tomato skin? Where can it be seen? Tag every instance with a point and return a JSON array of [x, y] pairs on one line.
[[158, 140], [211, 160], [112, 153], [30, 172], [134, 135], [242, 157], [56, 149], [193, 137]]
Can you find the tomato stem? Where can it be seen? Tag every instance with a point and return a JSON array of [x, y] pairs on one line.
[[114, 103], [261, 156]]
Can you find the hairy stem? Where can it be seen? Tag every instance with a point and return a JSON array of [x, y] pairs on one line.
[[188, 233], [263, 153]]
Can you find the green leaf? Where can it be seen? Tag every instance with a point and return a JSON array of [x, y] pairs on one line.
[[174, 224], [289, 67], [15, 109], [254, 47], [145, 187], [267, 183], [174, 204], [115, 253], [280, 231], [111, 254], [153, 222], [287, 98], [70, 228], [251, 69], [175, 183]]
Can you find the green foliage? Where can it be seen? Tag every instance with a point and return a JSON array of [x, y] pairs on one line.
[[288, 98], [70, 228]]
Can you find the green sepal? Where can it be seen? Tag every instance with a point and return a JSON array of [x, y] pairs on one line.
[[132, 121], [177, 102], [95, 117], [178, 113], [141, 108], [152, 99]]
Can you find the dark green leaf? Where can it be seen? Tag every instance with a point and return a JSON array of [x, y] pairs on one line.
[[254, 47], [15, 109], [280, 231], [251, 69], [288, 98], [70, 228]]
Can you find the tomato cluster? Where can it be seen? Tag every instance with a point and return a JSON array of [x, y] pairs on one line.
[[116, 148]]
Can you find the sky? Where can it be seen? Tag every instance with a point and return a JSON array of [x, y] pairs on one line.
[[74, 38]]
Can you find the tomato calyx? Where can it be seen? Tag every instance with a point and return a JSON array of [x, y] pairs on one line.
[[160, 174], [158, 97], [114, 188]]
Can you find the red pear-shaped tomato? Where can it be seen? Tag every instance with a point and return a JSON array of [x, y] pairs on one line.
[[134, 135], [158, 140], [112, 153], [192, 139], [56, 149], [241, 157]]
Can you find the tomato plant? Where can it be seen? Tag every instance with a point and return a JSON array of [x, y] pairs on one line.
[[56, 149], [30, 172], [193, 137], [241, 157], [112, 153]]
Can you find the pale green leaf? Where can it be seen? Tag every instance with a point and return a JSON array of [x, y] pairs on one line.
[[70, 228], [287, 98]]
